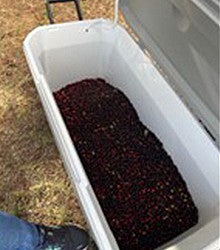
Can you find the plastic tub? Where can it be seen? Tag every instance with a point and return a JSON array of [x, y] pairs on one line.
[[65, 53]]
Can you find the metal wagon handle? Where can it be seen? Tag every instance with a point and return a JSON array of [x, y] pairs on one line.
[[49, 11]]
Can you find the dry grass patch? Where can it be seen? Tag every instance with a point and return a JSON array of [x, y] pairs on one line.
[[34, 184]]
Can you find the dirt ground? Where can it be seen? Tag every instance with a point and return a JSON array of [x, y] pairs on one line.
[[33, 182]]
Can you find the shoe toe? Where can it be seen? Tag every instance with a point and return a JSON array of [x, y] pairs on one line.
[[79, 238]]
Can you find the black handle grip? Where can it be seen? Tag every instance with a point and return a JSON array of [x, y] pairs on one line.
[[49, 11]]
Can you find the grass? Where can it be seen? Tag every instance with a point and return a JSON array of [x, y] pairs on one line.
[[33, 184]]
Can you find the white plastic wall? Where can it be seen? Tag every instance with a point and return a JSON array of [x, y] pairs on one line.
[[62, 54]]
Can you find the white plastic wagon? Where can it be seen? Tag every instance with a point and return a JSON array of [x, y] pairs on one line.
[[170, 29]]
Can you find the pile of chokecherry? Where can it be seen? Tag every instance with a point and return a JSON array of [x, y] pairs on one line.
[[141, 192]]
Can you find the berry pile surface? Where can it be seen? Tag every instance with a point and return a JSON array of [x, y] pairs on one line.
[[142, 194]]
